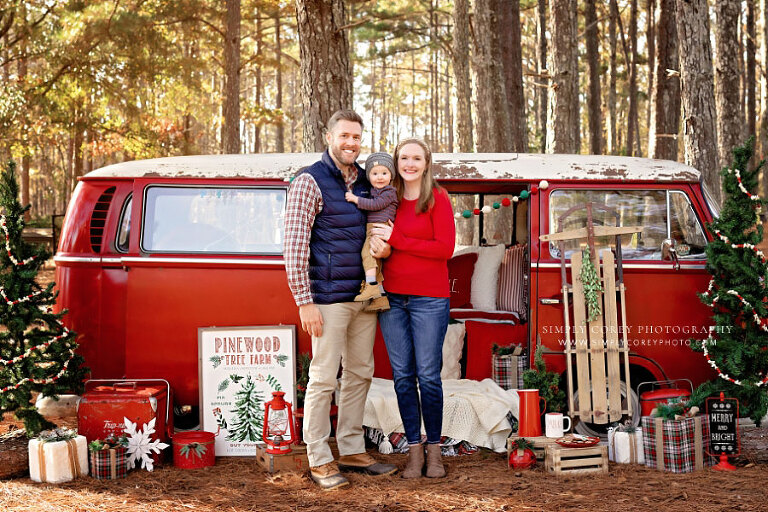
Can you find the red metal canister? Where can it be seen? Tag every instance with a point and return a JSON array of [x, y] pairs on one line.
[[106, 403], [650, 399]]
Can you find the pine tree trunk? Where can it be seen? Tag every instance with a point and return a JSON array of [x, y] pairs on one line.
[[462, 77], [632, 110], [697, 83], [665, 96], [563, 129], [24, 136], [326, 81], [593, 94], [612, 71], [650, 37], [543, 91], [491, 91], [512, 58], [751, 104], [727, 80], [279, 127], [258, 86], [231, 108], [762, 145]]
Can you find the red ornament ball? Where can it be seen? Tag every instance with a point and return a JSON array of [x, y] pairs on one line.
[[506, 202], [534, 189], [476, 211]]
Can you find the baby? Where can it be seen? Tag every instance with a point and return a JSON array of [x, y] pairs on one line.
[[381, 207]]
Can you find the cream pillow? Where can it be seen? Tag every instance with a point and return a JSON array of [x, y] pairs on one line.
[[485, 279], [452, 348]]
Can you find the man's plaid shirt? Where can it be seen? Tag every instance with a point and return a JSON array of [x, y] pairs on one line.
[[305, 201]]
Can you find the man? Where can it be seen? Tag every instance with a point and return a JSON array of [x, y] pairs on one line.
[[323, 237]]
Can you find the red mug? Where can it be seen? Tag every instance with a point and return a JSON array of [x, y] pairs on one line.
[[529, 417]]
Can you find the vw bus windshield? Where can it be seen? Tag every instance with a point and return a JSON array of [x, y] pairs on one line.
[[220, 220], [713, 205]]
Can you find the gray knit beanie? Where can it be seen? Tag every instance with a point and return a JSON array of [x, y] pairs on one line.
[[380, 158]]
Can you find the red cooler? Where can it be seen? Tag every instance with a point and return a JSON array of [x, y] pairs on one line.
[[665, 395], [105, 404]]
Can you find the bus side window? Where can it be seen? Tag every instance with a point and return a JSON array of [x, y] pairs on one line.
[[124, 227]]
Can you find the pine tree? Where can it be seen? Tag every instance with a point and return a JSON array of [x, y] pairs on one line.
[[247, 424], [738, 347], [37, 353]]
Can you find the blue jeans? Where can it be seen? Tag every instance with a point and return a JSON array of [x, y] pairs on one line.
[[414, 329]]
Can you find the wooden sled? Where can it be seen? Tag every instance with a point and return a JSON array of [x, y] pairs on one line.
[[597, 346]]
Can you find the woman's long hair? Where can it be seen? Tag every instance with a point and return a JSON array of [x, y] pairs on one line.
[[428, 183]]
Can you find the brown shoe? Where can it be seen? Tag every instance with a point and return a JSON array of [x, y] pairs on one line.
[[435, 467], [327, 476], [368, 291], [415, 465], [380, 304], [364, 463]]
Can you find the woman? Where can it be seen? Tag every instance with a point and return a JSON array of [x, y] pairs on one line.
[[416, 274]]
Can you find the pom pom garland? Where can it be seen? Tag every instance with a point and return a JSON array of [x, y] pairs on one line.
[[8, 246]]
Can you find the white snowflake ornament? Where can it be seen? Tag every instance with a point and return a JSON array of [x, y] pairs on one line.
[[140, 446]]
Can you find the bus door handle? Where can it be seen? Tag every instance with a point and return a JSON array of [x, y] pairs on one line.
[[550, 301]]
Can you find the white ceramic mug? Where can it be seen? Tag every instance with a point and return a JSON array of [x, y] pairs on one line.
[[554, 424]]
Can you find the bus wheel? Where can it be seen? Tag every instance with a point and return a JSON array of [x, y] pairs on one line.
[[186, 417], [601, 430]]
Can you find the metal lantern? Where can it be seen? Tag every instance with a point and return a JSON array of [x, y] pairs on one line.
[[278, 421]]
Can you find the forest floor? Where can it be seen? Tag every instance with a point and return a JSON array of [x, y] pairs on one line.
[[479, 482]]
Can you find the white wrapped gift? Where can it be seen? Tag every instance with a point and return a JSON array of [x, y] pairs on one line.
[[621, 447], [58, 461]]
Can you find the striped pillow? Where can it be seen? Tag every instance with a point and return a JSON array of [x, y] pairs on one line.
[[512, 289]]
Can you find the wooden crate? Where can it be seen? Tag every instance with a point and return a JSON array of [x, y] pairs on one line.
[[539, 445], [294, 461], [572, 461]]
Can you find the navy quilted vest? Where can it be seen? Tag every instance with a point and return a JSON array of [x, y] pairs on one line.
[[338, 234]]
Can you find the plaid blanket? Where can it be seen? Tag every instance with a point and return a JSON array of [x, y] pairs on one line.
[[679, 446], [109, 464], [508, 370]]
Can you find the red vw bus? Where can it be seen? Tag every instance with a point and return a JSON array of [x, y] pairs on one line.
[[152, 250]]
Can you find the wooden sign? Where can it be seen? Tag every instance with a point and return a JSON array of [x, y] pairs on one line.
[[240, 367], [723, 416]]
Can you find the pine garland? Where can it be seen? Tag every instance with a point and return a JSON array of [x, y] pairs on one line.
[[590, 281]]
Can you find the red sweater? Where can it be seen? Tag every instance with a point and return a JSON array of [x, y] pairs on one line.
[[422, 244]]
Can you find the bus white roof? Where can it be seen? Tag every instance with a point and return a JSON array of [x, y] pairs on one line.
[[456, 166]]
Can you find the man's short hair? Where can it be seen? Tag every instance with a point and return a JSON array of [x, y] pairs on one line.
[[344, 115]]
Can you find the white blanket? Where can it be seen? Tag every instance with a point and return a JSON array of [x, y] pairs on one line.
[[473, 411]]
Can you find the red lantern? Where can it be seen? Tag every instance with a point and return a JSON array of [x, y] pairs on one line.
[[278, 420]]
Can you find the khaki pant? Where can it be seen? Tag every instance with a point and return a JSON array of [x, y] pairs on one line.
[[369, 261], [348, 335]]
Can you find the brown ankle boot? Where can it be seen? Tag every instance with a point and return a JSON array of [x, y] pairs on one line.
[[415, 463], [435, 467]]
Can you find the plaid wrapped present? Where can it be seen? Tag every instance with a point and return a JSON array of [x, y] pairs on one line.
[[508, 369], [679, 446], [109, 464]]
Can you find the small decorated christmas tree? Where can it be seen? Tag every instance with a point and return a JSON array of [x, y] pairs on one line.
[[737, 294], [37, 353], [247, 423]]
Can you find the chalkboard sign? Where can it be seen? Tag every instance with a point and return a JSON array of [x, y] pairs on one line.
[[723, 415]]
